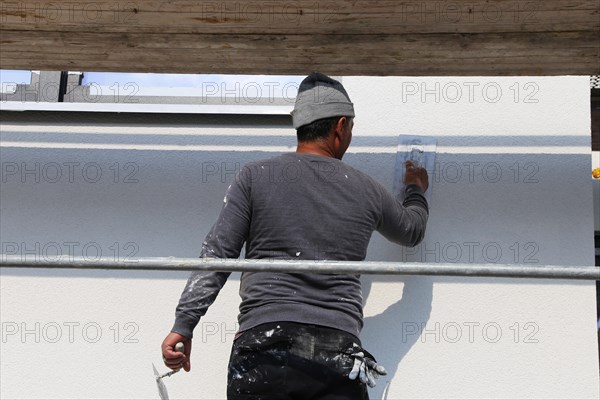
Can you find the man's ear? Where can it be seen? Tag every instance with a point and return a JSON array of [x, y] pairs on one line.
[[340, 126]]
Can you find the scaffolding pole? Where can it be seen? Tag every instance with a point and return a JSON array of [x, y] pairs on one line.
[[305, 266]]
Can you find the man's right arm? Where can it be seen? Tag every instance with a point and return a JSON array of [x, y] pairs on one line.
[[404, 223]]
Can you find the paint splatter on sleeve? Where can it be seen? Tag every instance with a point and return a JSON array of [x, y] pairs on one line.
[[225, 240], [200, 292]]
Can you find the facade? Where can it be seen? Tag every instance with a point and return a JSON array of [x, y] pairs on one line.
[[511, 185]]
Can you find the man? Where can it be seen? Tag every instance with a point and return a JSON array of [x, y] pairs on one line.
[[298, 335]]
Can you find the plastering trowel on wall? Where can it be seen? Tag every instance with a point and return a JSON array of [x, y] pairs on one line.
[[162, 388], [420, 150]]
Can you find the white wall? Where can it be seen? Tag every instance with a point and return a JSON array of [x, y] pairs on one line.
[[512, 185], [596, 188]]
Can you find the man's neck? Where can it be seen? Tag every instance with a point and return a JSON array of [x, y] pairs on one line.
[[315, 148]]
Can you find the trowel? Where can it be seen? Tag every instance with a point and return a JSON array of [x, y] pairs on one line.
[[421, 151], [162, 388]]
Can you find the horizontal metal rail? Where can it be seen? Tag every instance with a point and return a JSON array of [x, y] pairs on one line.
[[305, 266]]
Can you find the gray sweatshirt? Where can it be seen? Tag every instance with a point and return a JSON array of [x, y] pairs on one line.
[[300, 206]]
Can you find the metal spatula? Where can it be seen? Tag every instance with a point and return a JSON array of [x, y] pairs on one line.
[[162, 388]]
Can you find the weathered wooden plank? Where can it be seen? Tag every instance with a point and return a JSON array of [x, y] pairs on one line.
[[200, 60], [342, 37], [390, 66], [257, 45], [480, 69], [484, 54], [269, 17]]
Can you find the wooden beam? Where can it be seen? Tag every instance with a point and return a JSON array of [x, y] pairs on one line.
[[341, 37]]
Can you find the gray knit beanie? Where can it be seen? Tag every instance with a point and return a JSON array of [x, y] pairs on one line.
[[320, 97]]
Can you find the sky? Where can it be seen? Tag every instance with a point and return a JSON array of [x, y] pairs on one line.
[[179, 84]]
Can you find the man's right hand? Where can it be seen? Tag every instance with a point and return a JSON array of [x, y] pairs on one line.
[[416, 176], [176, 359]]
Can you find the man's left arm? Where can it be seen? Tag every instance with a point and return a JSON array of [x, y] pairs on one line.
[[225, 240]]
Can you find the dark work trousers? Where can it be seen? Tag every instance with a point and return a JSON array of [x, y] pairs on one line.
[[292, 361]]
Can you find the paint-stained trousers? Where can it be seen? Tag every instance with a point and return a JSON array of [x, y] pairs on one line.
[[292, 361]]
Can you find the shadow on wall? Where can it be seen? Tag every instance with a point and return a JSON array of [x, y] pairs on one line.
[[384, 335]]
